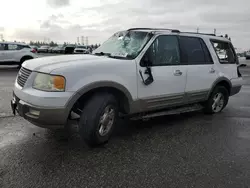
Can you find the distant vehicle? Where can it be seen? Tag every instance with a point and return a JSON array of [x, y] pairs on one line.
[[59, 49], [50, 49], [247, 55], [69, 49], [81, 50], [44, 49], [15, 53], [34, 48]]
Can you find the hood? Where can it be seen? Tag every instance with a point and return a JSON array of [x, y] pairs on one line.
[[48, 64]]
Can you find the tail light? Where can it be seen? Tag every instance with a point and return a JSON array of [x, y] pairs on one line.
[[33, 50]]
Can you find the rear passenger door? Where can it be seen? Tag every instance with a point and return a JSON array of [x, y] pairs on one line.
[[201, 72], [11, 51]]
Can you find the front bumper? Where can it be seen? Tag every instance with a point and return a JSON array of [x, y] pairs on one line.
[[52, 118]]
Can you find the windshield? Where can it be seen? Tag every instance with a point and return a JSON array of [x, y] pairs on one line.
[[125, 44]]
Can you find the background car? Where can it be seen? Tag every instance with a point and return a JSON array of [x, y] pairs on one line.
[[81, 50], [50, 49], [69, 49], [12, 53], [34, 48], [58, 49], [247, 55], [43, 49]]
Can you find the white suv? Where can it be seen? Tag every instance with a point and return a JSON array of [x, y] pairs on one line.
[[137, 73], [12, 53]]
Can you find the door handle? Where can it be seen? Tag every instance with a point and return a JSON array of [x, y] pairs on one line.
[[177, 73], [212, 70]]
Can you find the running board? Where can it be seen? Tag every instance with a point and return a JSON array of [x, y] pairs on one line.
[[180, 110]]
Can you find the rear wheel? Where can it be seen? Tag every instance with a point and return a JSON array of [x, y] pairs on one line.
[[217, 100], [98, 119]]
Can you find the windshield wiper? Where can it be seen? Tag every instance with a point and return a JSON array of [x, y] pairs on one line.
[[102, 54], [110, 55]]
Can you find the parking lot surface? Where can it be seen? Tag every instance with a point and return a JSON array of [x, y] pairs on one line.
[[189, 150]]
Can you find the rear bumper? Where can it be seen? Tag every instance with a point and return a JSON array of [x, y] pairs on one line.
[[236, 85], [235, 90]]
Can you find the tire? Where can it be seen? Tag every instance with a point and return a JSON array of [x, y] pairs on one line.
[[221, 104], [94, 110]]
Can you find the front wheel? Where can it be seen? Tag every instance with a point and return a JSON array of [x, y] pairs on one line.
[[98, 119], [217, 100]]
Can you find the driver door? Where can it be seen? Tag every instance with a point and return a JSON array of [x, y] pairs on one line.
[[169, 75]]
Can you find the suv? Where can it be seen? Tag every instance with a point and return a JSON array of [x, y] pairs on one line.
[[137, 73], [15, 53], [81, 50]]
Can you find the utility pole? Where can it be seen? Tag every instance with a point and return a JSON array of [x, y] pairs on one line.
[[215, 31], [197, 29], [87, 41], [82, 40], [78, 40], [1, 37]]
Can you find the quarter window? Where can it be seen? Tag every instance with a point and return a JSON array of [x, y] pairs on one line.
[[194, 51], [224, 51], [163, 51]]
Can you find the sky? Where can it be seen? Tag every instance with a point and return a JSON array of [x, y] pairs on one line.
[[65, 20]]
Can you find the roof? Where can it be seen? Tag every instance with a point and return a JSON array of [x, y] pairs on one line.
[[17, 43], [176, 31]]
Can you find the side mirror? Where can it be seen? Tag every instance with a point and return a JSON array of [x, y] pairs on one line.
[[146, 60]]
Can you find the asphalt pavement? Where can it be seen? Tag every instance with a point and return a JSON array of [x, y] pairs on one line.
[[190, 150]]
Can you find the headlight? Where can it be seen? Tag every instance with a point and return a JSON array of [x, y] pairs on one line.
[[48, 82]]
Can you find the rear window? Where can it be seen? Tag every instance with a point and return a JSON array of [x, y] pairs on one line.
[[225, 52]]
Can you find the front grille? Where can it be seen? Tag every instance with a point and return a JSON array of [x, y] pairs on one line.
[[22, 76]]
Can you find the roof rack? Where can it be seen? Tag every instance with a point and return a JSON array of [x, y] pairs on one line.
[[158, 29], [172, 30], [211, 34]]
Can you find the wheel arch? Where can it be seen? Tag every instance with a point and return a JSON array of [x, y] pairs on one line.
[[222, 81], [25, 57], [121, 93]]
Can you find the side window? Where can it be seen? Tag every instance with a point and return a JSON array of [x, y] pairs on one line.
[[163, 51], [193, 51], [207, 54], [224, 51], [20, 47], [12, 47]]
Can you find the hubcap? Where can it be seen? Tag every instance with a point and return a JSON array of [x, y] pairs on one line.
[[106, 120], [218, 102]]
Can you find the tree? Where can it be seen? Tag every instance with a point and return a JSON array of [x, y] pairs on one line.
[[226, 36]]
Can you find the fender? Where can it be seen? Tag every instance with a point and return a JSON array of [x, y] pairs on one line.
[[218, 80], [96, 85]]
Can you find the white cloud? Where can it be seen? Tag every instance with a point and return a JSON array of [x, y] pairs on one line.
[[64, 20]]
